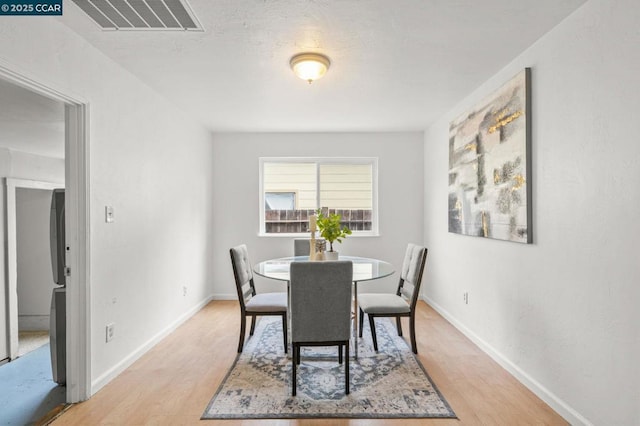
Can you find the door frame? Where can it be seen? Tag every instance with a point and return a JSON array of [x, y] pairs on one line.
[[77, 228]]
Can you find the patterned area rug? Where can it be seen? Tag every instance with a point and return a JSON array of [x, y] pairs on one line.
[[389, 384]]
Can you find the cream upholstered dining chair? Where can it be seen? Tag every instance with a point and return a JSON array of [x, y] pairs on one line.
[[251, 303], [403, 302], [320, 309]]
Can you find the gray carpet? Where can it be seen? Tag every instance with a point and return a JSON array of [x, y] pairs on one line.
[[389, 384], [31, 340]]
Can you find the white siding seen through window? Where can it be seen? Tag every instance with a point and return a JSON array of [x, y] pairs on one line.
[[294, 188]]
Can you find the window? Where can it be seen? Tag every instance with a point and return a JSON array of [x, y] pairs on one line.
[[279, 200], [292, 189]]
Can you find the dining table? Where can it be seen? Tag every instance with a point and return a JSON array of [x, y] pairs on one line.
[[364, 269]]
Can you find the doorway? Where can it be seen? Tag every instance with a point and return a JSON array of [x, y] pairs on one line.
[[28, 382], [28, 257], [77, 235], [33, 258]]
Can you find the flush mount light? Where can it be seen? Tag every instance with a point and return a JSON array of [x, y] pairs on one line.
[[309, 66]]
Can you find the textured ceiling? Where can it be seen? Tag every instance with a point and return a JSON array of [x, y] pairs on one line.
[[396, 65]]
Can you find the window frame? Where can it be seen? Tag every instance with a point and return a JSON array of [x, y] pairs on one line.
[[373, 161]]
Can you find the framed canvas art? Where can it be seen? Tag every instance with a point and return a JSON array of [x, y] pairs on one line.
[[490, 165]]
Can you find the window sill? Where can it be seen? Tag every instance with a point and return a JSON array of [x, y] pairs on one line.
[[361, 234]]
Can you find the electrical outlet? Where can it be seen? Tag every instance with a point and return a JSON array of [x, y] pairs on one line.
[[184, 290], [110, 331]]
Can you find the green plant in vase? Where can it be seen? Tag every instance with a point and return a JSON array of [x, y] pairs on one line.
[[330, 229]]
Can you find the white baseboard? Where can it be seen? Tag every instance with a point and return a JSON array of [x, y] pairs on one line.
[[561, 407], [221, 296], [112, 373], [33, 322]]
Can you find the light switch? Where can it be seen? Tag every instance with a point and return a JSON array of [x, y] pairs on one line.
[[108, 214]]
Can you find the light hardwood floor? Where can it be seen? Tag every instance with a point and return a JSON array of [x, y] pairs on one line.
[[173, 383]]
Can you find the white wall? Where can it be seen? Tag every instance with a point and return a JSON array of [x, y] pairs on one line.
[[561, 313], [153, 165], [34, 278], [235, 192]]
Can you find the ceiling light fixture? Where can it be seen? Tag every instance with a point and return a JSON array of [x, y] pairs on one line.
[[309, 66]]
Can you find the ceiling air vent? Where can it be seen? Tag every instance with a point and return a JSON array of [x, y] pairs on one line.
[[141, 14]]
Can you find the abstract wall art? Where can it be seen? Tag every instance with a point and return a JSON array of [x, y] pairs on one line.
[[490, 165]]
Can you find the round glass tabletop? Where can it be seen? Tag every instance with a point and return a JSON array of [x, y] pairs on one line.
[[364, 268]]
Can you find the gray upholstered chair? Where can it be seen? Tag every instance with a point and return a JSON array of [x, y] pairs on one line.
[[301, 246], [320, 309], [251, 303], [403, 302]]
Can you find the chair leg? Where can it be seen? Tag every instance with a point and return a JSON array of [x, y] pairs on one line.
[[361, 321], [372, 325], [412, 330], [399, 325], [298, 354], [294, 361], [339, 354], [284, 331], [346, 368], [243, 327], [253, 325]]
